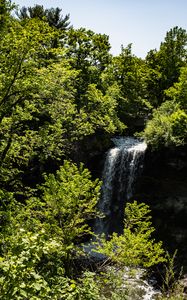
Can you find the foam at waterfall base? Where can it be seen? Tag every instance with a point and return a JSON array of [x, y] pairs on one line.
[[134, 279]]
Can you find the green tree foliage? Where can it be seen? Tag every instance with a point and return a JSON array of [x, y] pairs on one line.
[[38, 240], [71, 197], [167, 127], [59, 89], [165, 64], [129, 73], [5, 10], [89, 54], [20, 53], [135, 247], [173, 55], [34, 253], [40, 118], [32, 269], [68, 199], [55, 19], [68, 203], [167, 91], [52, 16], [178, 92]]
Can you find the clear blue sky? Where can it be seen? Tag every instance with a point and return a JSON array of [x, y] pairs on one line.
[[143, 23]]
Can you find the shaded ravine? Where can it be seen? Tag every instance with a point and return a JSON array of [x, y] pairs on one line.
[[123, 165]]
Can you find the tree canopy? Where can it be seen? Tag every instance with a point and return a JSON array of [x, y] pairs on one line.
[[63, 95]]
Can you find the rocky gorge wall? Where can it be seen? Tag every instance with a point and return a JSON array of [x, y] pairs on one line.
[[163, 185]]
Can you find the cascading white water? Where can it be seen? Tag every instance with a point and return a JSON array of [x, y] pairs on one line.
[[122, 165]]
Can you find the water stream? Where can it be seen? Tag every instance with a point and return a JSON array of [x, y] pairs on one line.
[[122, 166]]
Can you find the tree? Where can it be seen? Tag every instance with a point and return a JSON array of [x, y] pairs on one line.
[[71, 196], [165, 64], [88, 53], [33, 248], [178, 92], [41, 119], [134, 247], [52, 16], [173, 55], [167, 127], [129, 73], [55, 19], [21, 48], [51, 225], [5, 10]]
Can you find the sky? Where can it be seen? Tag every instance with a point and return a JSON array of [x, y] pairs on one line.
[[143, 23]]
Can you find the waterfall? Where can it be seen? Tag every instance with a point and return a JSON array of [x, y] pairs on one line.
[[122, 166]]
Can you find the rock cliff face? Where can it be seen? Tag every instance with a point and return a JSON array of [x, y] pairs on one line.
[[163, 185]]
